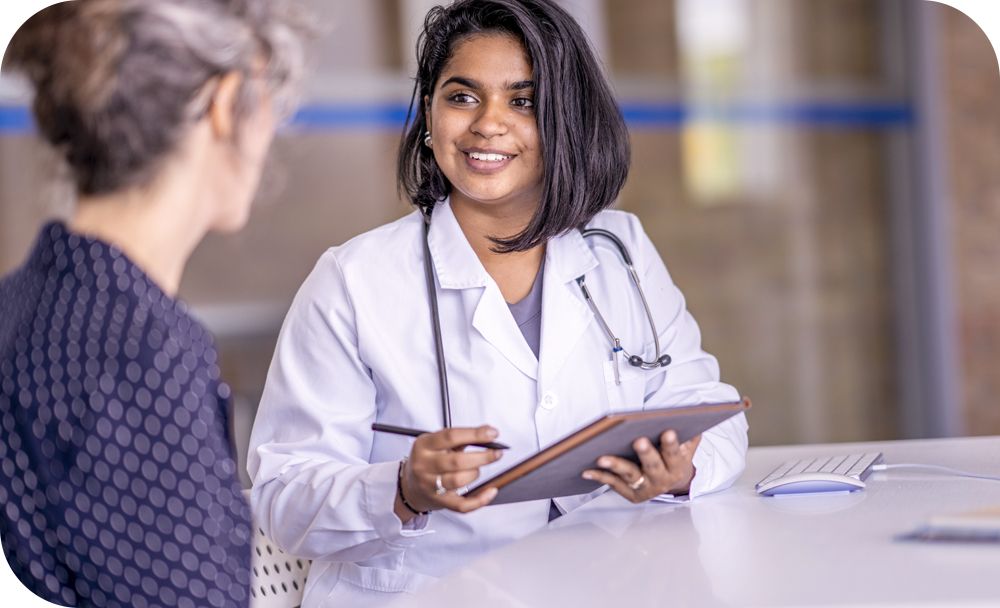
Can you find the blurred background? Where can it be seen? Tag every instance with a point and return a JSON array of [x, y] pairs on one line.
[[821, 178]]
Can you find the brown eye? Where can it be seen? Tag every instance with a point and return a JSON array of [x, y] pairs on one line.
[[462, 98]]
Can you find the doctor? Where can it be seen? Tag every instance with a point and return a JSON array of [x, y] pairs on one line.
[[516, 143]]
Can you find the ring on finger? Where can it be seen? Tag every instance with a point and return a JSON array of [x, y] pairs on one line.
[[439, 488], [638, 483]]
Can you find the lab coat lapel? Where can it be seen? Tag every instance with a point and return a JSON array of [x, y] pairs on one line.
[[565, 314], [495, 322], [457, 267]]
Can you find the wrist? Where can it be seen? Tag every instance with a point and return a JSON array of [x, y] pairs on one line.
[[686, 487], [403, 506]]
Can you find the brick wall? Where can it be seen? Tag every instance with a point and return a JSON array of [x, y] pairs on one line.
[[971, 82]]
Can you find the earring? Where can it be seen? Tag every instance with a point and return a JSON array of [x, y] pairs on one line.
[[427, 139]]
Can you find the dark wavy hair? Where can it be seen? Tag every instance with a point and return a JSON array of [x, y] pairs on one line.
[[585, 145]]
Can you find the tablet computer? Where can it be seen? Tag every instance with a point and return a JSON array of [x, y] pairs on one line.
[[556, 470]]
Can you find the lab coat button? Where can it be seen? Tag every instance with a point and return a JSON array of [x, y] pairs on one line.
[[549, 401]]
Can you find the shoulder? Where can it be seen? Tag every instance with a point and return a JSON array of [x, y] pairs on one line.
[[391, 250], [403, 236], [623, 224], [628, 228]]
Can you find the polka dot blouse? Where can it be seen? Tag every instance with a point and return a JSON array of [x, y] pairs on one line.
[[117, 482]]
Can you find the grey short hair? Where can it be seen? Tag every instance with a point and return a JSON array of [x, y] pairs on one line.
[[117, 82]]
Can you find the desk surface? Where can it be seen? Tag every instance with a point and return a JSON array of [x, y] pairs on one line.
[[739, 549]]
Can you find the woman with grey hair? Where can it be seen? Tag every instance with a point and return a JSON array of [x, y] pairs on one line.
[[116, 473]]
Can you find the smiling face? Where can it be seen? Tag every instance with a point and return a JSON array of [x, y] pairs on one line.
[[482, 122]]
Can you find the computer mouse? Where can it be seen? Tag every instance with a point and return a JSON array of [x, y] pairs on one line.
[[810, 483]]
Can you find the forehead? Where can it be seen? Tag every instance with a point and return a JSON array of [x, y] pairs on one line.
[[491, 58]]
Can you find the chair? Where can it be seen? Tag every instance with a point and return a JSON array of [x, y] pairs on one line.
[[277, 579]]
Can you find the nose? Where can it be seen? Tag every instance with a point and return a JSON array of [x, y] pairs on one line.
[[491, 119]]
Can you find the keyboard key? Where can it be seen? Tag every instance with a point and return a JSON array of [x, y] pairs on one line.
[[832, 464]]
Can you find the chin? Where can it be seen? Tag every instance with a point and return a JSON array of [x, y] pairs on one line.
[[492, 198]]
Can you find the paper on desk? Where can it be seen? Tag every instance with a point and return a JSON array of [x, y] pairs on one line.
[[982, 525]]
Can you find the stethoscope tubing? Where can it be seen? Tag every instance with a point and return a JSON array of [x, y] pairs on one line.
[[436, 323], [627, 259]]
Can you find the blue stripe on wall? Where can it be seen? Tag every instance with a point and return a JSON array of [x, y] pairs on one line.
[[817, 114], [16, 120]]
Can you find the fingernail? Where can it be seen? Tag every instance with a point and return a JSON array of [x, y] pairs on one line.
[[491, 493], [492, 433], [604, 462], [671, 436], [587, 475], [644, 444]]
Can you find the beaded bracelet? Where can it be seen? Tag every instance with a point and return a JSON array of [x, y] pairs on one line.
[[399, 490]]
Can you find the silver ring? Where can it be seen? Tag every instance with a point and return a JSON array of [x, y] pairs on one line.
[[638, 483], [439, 488]]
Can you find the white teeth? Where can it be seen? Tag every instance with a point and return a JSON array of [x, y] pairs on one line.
[[492, 158]]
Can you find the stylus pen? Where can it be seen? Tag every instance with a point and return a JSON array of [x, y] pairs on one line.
[[400, 430]]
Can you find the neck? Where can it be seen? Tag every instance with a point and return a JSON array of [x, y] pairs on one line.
[[157, 227], [515, 272]]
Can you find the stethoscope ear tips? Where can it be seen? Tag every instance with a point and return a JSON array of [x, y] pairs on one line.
[[664, 360], [635, 361]]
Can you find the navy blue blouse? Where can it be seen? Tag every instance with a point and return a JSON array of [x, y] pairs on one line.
[[117, 482]]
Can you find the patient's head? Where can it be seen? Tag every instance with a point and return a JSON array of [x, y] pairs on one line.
[[119, 83]]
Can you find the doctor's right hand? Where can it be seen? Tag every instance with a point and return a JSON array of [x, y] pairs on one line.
[[438, 465]]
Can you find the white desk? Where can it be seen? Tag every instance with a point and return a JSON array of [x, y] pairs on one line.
[[739, 549]]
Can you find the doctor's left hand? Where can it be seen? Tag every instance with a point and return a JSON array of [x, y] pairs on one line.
[[668, 470]]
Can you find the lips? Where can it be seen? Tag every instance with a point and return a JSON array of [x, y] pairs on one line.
[[487, 161], [488, 156]]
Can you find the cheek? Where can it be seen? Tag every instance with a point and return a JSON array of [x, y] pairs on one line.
[[258, 133], [528, 133], [262, 138]]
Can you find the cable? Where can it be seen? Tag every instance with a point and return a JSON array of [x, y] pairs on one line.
[[935, 468]]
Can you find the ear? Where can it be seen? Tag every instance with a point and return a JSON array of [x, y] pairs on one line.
[[221, 112], [427, 113]]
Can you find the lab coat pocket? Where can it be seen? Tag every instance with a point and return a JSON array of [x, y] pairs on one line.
[[626, 389], [381, 579]]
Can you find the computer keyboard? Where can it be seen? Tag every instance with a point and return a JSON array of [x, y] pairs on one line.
[[825, 474]]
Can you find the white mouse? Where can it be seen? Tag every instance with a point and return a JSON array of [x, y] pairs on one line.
[[808, 483]]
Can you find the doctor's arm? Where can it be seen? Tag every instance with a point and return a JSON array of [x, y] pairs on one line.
[[715, 459], [314, 492]]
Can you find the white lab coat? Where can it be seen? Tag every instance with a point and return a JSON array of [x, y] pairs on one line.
[[357, 346]]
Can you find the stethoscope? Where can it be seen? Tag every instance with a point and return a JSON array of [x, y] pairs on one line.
[[659, 360]]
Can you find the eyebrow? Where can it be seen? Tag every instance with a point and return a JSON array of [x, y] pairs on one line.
[[472, 84]]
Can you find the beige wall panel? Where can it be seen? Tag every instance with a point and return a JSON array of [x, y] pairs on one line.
[[335, 185], [837, 40], [32, 189], [792, 294], [642, 38], [972, 97], [855, 298]]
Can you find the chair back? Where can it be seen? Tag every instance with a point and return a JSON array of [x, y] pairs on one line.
[[277, 580]]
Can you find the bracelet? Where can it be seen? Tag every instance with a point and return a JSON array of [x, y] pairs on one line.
[[399, 490]]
